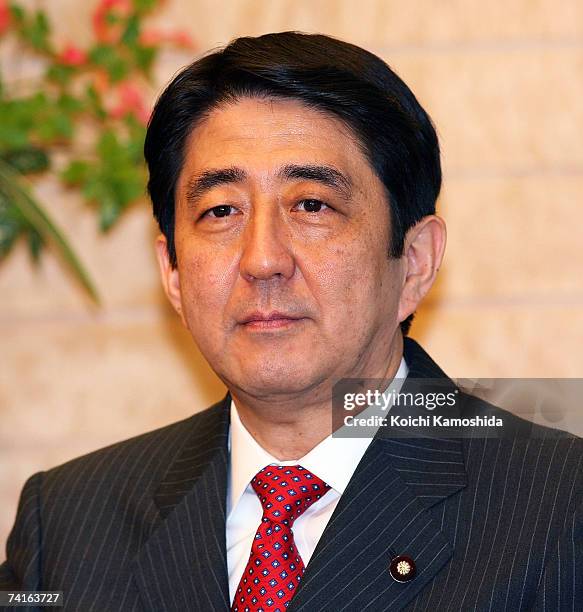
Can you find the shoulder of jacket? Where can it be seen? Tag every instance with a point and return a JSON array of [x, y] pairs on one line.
[[164, 443]]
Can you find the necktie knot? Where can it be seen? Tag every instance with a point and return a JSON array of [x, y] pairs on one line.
[[286, 492]]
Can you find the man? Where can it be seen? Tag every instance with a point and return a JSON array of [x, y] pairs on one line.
[[294, 178]]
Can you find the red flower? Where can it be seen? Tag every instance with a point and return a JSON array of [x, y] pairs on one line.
[[72, 56], [107, 32], [130, 102], [152, 38], [4, 16], [180, 38]]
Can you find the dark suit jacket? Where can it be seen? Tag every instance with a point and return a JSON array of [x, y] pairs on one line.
[[492, 524]]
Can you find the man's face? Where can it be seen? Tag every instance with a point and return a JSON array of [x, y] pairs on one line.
[[282, 235]]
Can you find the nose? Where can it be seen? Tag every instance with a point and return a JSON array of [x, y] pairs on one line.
[[267, 252]]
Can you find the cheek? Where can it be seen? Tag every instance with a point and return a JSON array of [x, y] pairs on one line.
[[356, 285], [205, 281], [349, 279]]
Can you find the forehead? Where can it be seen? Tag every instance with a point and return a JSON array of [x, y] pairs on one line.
[[264, 134]]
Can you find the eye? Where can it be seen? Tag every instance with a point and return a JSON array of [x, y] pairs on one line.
[[224, 210], [311, 205]]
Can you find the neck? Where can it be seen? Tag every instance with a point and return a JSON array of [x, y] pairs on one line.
[[290, 427]]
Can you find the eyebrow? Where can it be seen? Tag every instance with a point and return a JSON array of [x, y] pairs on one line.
[[323, 174], [326, 175], [208, 179]]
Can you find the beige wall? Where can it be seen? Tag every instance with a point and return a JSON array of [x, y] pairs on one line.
[[502, 81]]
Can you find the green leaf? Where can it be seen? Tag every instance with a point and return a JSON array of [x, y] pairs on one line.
[[94, 102], [144, 57], [11, 224], [144, 6], [61, 75], [15, 190], [135, 145], [17, 13], [117, 178], [94, 189], [37, 31], [56, 126], [8, 236], [35, 244], [109, 212], [28, 160], [36, 119], [76, 172], [19, 118], [109, 58], [69, 104], [132, 31], [13, 137]]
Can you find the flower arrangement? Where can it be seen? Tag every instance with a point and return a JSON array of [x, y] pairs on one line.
[[88, 108]]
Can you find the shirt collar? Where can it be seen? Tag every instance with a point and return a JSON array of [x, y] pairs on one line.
[[334, 459]]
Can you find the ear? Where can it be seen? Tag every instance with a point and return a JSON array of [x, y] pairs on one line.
[[170, 276], [422, 255]]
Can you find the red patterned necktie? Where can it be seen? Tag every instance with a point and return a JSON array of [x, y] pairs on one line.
[[275, 568]]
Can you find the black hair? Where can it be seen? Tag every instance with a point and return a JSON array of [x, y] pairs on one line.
[[350, 83]]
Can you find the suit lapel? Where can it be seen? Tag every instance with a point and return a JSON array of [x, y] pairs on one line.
[[387, 509], [183, 564]]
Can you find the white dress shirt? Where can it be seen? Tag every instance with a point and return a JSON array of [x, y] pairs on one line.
[[334, 460]]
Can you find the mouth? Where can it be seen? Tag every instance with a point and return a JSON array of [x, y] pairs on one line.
[[271, 320]]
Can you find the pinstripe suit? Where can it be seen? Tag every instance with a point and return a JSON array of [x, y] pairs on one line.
[[493, 524]]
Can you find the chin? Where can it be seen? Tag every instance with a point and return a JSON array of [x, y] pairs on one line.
[[277, 377]]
